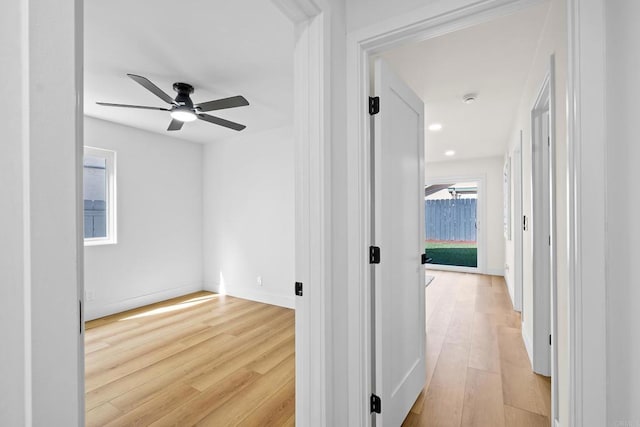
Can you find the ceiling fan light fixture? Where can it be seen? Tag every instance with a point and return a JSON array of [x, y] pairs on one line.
[[183, 115], [182, 107]]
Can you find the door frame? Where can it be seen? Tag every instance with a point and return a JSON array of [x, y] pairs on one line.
[[544, 240], [541, 228], [425, 23], [586, 154], [586, 130], [312, 100], [518, 231], [480, 221]]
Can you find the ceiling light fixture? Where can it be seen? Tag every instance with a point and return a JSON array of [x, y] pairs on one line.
[[434, 127], [183, 114], [449, 153], [469, 98]]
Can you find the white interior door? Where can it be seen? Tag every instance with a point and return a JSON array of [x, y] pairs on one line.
[[398, 280]]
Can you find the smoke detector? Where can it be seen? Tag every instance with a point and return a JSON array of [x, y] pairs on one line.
[[469, 98]]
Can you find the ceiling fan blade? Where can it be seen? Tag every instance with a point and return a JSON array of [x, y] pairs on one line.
[[109, 104], [146, 83], [221, 104], [221, 122], [175, 125]]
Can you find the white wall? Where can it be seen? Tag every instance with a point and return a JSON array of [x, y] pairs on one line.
[[249, 216], [159, 250], [40, 362], [623, 205], [13, 283], [490, 169], [553, 41]]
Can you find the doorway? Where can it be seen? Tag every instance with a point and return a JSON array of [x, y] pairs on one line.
[[451, 225], [459, 159], [308, 207]]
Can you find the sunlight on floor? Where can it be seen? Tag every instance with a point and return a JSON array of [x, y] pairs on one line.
[[179, 306]]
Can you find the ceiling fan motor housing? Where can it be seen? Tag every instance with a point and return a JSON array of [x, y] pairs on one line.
[[184, 90]]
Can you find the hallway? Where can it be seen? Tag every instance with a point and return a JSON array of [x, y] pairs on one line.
[[478, 372]]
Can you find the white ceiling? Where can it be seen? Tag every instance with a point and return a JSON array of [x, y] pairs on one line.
[[492, 59], [223, 48]]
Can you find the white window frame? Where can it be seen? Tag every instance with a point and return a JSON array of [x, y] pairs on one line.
[[111, 213]]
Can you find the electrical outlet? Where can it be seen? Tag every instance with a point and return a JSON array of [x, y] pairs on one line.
[[259, 280], [89, 295]]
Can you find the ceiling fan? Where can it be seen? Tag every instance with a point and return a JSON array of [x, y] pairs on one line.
[[182, 108]]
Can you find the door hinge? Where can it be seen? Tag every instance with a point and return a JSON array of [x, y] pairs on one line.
[[524, 223], [80, 314], [376, 404], [374, 255], [549, 240], [425, 259], [299, 289], [550, 339], [374, 105]]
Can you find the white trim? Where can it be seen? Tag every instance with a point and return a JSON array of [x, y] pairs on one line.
[[455, 268], [481, 235], [428, 22], [495, 272], [518, 233], [287, 301], [586, 192], [541, 227], [528, 345], [553, 258], [545, 312], [94, 311], [312, 206], [26, 215]]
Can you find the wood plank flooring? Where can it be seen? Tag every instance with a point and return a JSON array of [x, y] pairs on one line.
[[207, 359], [478, 372], [203, 359]]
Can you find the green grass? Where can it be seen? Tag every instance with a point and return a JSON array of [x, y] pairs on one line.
[[464, 254], [433, 245]]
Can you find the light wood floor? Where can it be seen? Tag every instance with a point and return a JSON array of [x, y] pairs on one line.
[[220, 361], [478, 372], [203, 359]]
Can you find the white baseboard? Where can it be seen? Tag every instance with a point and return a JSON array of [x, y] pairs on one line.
[[263, 297], [528, 345], [95, 310], [453, 268], [489, 271], [511, 291], [496, 272]]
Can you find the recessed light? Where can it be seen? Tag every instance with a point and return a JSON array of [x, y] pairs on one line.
[[449, 153], [434, 127], [469, 98]]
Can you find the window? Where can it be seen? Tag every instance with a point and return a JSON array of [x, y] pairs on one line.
[[99, 194]]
